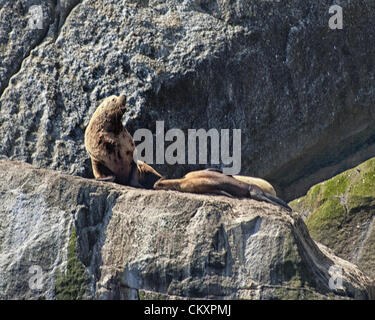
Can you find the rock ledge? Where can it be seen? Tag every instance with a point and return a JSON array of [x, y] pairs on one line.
[[95, 240]]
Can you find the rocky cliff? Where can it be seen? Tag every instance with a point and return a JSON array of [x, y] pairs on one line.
[[339, 213], [301, 93], [65, 237]]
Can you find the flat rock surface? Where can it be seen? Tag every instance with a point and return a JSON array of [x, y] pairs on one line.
[[105, 241]]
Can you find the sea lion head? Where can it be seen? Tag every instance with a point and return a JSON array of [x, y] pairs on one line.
[[115, 105], [109, 114]]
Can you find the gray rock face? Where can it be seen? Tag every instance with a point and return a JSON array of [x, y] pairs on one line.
[[98, 240], [301, 93], [25, 24]]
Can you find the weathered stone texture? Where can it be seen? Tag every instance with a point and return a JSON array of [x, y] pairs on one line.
[[301, 93], [106, 241]]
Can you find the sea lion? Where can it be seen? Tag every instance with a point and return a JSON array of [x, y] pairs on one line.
[[111, 147], [214, 182], [109, 144], [261, 183], [143, 175]]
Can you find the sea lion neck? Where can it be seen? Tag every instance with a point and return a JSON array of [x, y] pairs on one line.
[[112, 122]]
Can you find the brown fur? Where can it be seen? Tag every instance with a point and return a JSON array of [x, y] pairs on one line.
[[204, 181], [261, 183], [111, 147], [109, 144], [143, 175], [213, 182]]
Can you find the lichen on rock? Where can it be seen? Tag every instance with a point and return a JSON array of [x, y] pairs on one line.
[[73, 283], [339, 213]]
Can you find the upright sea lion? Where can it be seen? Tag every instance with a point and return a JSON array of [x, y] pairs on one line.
[[109, 144], [214, 182], [111, 147]]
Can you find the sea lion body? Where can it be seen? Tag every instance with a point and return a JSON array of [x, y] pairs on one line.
[[111, 147], [261, 183], [203, 181], [214, 182], [109, 144], [143, 175]]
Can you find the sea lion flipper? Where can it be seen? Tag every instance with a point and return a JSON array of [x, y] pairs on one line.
[[224, 193], [146, 176], [101, 172], [258, 194], [277, 201], [107, 179]]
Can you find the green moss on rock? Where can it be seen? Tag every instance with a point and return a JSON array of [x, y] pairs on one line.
[[152, 295], [362, 193], [335, 187], [290, 293], [72, 285], [148, 295], [314, 194], [338, 213], [327, 218]]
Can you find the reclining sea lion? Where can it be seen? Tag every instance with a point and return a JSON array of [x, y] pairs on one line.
[[215, 182]]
